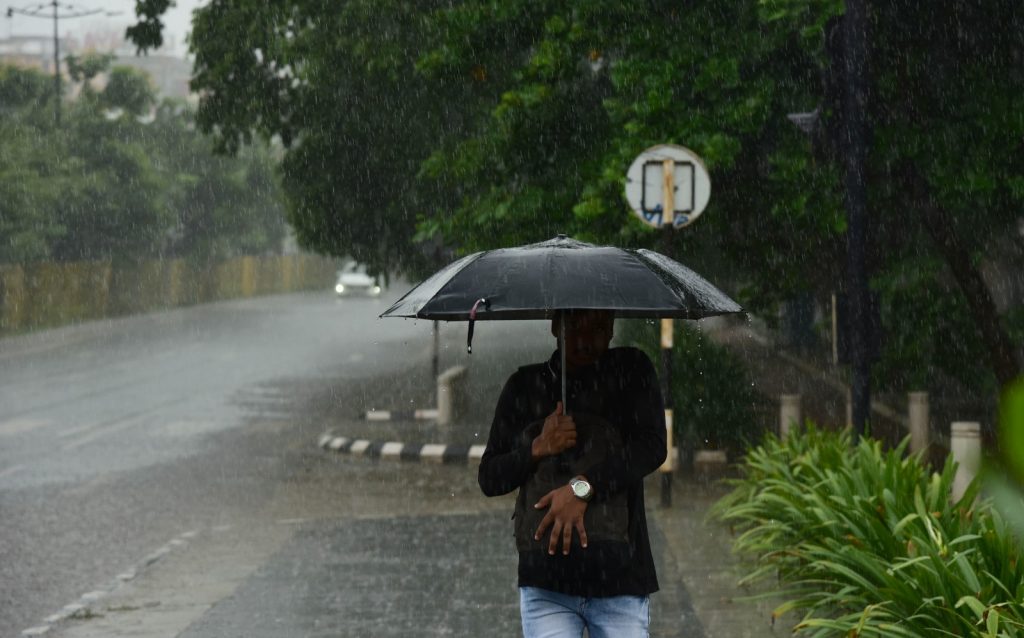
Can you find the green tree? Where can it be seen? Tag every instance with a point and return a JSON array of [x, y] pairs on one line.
[[491, 123], [128, 90], [28, 197], [107, 185]]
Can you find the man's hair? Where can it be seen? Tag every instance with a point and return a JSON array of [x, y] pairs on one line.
[[556, 317]]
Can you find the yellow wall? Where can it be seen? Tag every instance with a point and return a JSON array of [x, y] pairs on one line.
[[47, 294]]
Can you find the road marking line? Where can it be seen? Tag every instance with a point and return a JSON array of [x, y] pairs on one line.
[[19, 426], [391, 450], [36, 631], [291, 521], [476, 451], [359, 447], [112, 427]]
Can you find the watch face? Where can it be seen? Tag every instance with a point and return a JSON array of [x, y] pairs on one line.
[[581, 488]]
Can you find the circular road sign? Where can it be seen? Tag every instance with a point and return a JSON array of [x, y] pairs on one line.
[[672, 172]]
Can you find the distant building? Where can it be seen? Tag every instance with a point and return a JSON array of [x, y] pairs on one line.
[[169, 74], [31, 51]]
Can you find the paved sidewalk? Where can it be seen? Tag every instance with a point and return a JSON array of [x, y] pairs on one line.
[[698, 554]]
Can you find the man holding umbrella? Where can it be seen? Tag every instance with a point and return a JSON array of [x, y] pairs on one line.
[[584, 554], [575, 434]]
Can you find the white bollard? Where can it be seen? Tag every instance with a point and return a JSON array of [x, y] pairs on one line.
[[789, 413], [965, 445], [917, 418], [450, 395]]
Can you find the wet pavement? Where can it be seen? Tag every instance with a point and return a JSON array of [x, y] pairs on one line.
[[354, 546]]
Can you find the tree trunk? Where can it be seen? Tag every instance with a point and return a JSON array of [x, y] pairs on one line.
[[1002, 357]]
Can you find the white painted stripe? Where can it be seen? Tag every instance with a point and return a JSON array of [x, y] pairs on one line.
[[325, 438], [476, 451], [391, 450], [291, 521], [53, 618], [190, 534], [110, 428], [378, 415], [337, 443], [177, 542], [18, 426], [155, 556], [359, 447], [36, 631], [93, 596], [128, 575], [426, 413], [433, 452]]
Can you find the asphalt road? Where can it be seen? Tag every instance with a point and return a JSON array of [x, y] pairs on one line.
[[123, 441]]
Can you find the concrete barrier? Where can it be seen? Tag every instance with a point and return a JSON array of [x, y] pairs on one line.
[[789, 413], [965, 445], [917, 419], [451, 395]]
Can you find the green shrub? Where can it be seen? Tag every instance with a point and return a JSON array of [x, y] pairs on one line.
[[715, 404], [866, 542]]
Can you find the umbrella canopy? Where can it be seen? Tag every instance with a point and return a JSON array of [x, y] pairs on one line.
[[533, 281]]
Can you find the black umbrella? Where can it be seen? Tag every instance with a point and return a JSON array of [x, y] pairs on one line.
[[534, 281]]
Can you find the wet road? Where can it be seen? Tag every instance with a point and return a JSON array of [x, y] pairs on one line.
[[123, 439], [160, 476]]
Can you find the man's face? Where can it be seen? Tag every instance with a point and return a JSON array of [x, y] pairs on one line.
[[588, 333]]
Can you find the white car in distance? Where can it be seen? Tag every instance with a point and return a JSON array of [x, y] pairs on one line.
[[353, 281]]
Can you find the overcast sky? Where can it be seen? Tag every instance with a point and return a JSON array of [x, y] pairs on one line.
[[176, 20]]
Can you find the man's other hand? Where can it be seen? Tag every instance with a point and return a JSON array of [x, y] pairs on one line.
[[557, 435], [565, 514]]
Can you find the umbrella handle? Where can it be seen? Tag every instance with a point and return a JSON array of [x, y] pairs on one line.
[[472, 320]]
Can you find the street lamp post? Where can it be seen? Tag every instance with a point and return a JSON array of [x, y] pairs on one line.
[[69, 11], [856, 135]]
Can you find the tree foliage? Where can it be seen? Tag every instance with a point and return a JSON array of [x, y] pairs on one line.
[[480, 124], [119, 180]]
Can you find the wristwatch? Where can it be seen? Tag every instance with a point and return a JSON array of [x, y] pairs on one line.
[[581, 489]]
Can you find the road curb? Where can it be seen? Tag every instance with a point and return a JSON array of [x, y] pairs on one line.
[[398, 451]]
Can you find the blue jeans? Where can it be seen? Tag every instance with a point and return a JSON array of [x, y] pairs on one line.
[[548, 614]]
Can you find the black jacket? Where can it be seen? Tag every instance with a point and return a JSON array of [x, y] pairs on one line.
[[621, 387]]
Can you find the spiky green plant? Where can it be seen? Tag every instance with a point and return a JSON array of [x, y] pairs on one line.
[[867, 542]]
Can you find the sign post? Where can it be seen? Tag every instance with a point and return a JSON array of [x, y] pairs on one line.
[[668, 187]]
